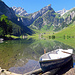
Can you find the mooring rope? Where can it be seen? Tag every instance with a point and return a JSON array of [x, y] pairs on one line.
[[35, 66]]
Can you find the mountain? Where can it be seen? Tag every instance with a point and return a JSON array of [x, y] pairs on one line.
[[19, 11], [18, 26], [62, 12], [68, 16], [30, 18], [45, 19], [45, 16], [51, 20], [4, 9], [41, 12]]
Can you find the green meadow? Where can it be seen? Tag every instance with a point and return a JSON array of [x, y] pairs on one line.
[[67, 35], [69, 31]]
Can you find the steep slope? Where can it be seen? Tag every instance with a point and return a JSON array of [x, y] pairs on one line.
[[67, 35], [62, 12], [49, 19], [4, 9], [68, 16], [30, 18], [19, 11], [69, 31]]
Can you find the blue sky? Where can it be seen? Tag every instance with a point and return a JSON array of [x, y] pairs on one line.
[[34, 5]]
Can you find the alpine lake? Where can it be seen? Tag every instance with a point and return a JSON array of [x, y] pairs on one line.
[[22, 55]]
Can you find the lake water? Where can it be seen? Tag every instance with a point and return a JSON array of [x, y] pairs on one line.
[[21, 56]]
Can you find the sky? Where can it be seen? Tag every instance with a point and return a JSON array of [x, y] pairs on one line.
[[32, 6]]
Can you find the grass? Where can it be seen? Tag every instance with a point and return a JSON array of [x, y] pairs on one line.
[[67, 35], [69, 31], [70, 41], [12, 36], [34, 36]]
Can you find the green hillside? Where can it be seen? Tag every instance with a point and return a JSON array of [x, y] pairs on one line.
[[67, 35], [68, 13], [69, 31]]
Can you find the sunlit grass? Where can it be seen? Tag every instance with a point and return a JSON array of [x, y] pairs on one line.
[[67, 35], [12, 36], [34, 36], [70, 41], [69, 31]]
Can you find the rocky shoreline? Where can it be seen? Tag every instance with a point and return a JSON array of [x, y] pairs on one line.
[[70, 72], [6, 72]]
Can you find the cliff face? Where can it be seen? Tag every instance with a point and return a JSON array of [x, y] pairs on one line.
[[41, 12], [46, 17], [19, 11], [68, 16], [28, 19], [49, 18], [62, 12], [4, 9]]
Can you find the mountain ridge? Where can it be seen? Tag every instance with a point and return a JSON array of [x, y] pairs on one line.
[[45, 17], [19, 11], [5, 10], [62, 12], [58, 21]]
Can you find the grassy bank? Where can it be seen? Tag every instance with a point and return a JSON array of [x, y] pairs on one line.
[[67, 35], [12, 36], [34, 36], [69, 31]]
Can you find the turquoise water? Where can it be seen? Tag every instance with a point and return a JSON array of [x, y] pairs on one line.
[[22, 56]]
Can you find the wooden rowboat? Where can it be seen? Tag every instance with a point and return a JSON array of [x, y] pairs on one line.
[[1, 39], [55, 59]]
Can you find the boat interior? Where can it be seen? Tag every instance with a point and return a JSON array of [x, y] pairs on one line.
[[56, 54]]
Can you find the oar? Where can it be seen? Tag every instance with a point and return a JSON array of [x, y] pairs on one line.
[[73, 55], [67, 52], [44, 51]]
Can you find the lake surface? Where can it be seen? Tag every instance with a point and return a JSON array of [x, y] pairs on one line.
[[21, 56]]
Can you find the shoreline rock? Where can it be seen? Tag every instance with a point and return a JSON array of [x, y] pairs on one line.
[[5, 72], [70, 72]]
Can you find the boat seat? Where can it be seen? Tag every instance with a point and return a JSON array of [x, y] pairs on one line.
[[54, 56], [58, 55]]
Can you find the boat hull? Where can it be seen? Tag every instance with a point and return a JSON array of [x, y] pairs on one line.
[[52, 64]]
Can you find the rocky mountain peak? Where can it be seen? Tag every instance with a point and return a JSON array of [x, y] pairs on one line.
[[46, 8], [19, 11], [41, 12], [62, 12]]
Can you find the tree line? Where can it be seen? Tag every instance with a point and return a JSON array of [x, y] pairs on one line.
[[9, 28], [5, 26]]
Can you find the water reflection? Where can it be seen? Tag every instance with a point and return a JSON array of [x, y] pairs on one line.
[[65, 68], [1, 41], [21, 56], [31, 65]]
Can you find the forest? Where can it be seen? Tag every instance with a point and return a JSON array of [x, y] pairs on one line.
[[7, 27]]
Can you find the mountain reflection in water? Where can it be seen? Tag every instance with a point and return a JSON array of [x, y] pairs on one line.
[[21, 56], [29, 66]]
